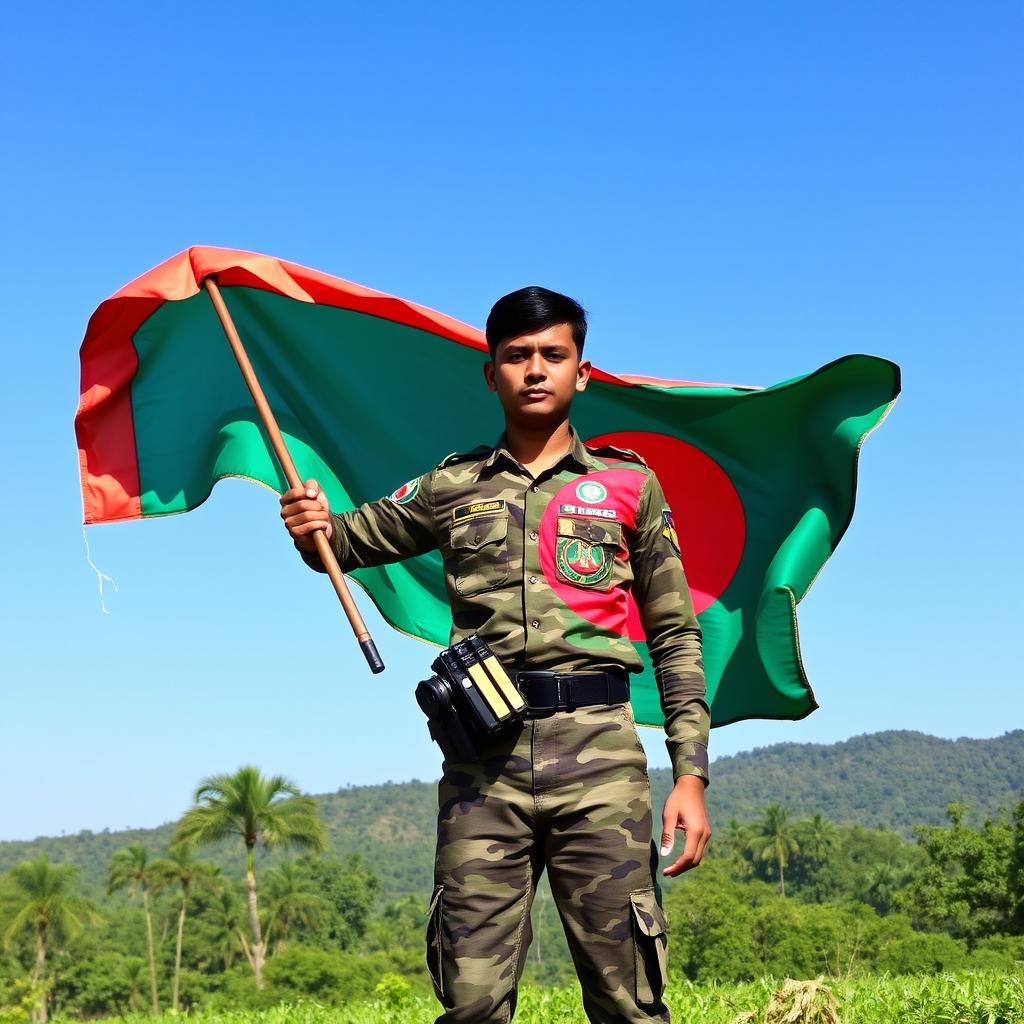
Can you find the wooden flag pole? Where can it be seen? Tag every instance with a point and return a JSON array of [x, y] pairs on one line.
[[323, 546]]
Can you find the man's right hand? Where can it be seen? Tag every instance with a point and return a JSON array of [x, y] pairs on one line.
[[304, 511]]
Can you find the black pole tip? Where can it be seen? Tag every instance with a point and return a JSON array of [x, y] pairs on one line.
[[369, 649]]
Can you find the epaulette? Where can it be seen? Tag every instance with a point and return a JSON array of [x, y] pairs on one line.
[[473, 453], [623, 453]]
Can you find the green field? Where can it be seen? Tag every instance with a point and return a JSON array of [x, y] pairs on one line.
[[982, 997]]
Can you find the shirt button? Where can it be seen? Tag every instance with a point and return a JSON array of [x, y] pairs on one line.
[[533, 579], [535, 623], [533, 535], [534, 488]]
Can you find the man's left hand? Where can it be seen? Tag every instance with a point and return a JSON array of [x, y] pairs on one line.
[[684, 809]]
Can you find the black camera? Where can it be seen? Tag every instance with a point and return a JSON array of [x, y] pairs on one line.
[[469, 699]]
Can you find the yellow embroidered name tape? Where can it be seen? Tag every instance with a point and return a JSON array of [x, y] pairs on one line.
[[478, 508]]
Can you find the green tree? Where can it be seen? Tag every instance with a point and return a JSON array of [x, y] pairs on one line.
[[713, 925], [330, 977], [735, 838], [134, 970], [350, 889], [966, 888], [226, 918], [292, 901], [773, 841], [132, 869], [18, 1001], [263, 811], [180, 869], [45, 904], [880, 885], [817, 838], [1016, 879], [818, 842]]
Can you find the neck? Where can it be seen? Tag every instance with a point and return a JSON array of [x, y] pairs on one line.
[[536, 448]]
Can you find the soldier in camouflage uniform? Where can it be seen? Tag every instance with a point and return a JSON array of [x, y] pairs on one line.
[[543, 539]]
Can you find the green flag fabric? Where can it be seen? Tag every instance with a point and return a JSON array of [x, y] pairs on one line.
[[761, 481]]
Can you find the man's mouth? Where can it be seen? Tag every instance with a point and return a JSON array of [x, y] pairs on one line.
[[535, 392]]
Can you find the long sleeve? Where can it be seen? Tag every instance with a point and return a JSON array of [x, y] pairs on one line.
[[382, 531], [673, 633]]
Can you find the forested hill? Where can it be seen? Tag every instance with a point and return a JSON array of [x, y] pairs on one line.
[[895, 779], [891, 779]]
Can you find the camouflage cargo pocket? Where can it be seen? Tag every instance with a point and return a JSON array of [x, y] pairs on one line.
[[480, 554], [434, 949], [650, 942]]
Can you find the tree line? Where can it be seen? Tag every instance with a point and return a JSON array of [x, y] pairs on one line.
[[776, 894], [44, 909]]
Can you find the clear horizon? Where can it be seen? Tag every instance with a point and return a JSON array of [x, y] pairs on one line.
[[645, 733]]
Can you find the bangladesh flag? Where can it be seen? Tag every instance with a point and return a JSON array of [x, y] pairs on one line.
[[761, 481]]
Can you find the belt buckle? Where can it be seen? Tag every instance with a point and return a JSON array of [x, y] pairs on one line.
[[545, 710]]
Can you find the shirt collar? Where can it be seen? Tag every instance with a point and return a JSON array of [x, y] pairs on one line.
[[578, 451]]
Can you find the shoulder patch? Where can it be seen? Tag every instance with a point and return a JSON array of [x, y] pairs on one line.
[[404, 494], [619, 453], [468, 456], [668, 529]]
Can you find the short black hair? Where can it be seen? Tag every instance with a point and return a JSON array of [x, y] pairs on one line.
[[533, 309]]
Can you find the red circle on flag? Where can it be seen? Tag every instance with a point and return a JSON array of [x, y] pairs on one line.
[[706, 509]]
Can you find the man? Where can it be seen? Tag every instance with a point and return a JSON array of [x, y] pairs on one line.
[[543, 540]]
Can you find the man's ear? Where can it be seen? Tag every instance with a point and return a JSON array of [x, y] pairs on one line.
[[583, 374], [489, 375]]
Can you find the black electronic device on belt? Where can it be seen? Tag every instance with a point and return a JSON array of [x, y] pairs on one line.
[[469, 699]]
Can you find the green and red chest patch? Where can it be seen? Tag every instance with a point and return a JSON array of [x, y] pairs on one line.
[[582, 562], [583, 530]]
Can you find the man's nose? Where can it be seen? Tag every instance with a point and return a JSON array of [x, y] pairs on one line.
[[535, 367]]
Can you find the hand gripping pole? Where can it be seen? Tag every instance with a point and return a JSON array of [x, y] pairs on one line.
[[291, 474]]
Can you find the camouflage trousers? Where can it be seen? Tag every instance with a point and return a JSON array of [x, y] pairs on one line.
[[569, 793]]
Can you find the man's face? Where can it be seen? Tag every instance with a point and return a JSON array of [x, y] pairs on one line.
[[536, 375]]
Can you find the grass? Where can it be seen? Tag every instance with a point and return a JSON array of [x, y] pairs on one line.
[[982, 997]]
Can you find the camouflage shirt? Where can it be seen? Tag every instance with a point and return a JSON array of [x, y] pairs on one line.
[[554, 571]]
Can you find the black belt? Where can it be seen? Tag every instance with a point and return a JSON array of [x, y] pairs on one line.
[[548, 692]]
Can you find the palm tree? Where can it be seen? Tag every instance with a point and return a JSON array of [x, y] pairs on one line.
[[736, 837], [773, 840], [45, 903], [818, 838], [132, 869], [227, 921], [271, 811], [179, 868], [135, 976], [881, 883], [293, 900]]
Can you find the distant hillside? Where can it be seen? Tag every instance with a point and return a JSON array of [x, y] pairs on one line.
[[895, 779], [891, 779]]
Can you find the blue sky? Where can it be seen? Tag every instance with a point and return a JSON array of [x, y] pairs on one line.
[[735, 192]]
